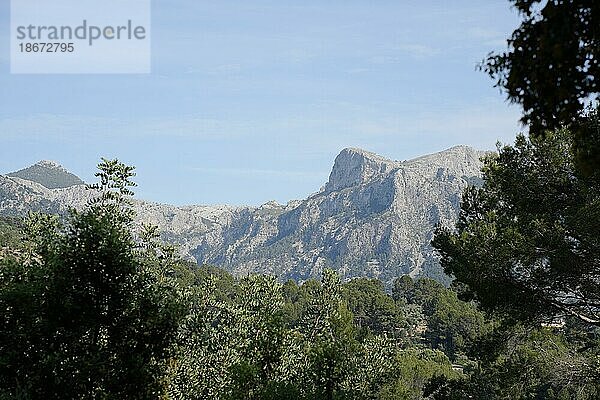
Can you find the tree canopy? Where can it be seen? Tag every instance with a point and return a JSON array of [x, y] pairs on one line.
[[84, 313], [527, 243], [96, 306], [552, 65]]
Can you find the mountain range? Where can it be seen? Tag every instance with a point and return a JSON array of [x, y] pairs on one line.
[[374, 217]]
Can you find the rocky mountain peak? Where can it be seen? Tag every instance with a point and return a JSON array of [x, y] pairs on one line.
[[375, 217], [354, 166], [49, 174], [49, 164], [463, 160], [270, 205]]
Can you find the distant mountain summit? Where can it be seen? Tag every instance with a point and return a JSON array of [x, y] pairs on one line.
[[49, 174], [356, 166], [374, 217]]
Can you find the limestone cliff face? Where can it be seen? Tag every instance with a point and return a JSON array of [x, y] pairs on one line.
[[354, 167], [375, 217]]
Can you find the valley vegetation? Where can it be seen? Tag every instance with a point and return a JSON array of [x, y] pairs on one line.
[[94, 307], [97, 308]]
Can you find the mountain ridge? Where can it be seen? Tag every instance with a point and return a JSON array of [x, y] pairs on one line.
[[374, 217]]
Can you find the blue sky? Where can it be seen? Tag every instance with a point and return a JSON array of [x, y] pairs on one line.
[[250, 101]]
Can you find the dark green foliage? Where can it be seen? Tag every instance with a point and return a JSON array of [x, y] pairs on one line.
[[272, 341], [415, 369], [528, 241], [10, 232], [86, 316], [97, 308], [586, 143], [453, 326], [329, 336], [374, 311], [552, 64], [540, 363], [526, 248]]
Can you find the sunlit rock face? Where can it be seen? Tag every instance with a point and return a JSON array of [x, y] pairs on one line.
[[374, 217]]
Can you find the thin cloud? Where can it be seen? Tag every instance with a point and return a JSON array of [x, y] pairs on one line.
[[418, 51], [259, 173], [224, 69], [39, 126], [488, 37]]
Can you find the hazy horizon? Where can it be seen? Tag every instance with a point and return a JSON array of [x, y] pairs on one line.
[[248, 103]]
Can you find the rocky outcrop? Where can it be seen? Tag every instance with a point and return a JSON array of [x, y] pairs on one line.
[[375, 217]]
